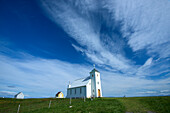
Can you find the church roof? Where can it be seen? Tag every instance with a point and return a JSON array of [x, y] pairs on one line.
[[94, 70], [80, 82]]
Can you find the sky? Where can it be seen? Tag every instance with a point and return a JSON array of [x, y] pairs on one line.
[[44, 44]]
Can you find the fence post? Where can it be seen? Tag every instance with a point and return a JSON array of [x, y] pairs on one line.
[[49, 104], [84, 99], [70, 100], [18, 108]]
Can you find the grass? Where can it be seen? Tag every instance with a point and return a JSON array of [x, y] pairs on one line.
[[145, 104], [98, 105]]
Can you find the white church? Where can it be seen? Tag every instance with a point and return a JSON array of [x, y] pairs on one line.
[[86, 87]]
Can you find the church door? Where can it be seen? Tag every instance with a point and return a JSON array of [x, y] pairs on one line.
[[98, 92]]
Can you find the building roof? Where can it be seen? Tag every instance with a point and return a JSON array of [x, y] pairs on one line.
[[80, 82], [58, 93], [94, 70], [18, 93]]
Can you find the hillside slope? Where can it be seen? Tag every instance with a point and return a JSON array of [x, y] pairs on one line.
[[114, 105]]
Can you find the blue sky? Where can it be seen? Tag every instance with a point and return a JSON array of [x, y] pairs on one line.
[[45, 44]]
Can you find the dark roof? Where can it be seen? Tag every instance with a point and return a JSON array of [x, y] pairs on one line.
[[17, 94], [58, 93], [94, 70]]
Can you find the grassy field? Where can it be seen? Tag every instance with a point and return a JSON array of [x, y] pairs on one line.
[[98, 105]]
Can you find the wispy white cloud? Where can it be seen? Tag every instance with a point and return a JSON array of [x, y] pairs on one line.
[[145, 23], [148, 62], [39, 77], [79, 21], [83, 21], [116, 84], [148, 92], [78, 48], [164, 91], [7, 94]]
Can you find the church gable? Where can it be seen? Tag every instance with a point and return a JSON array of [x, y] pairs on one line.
[[80, 82]]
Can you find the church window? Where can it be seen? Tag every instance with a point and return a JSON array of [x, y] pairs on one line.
[[80, 90], [93, 90], [97, 74], [75, 90]]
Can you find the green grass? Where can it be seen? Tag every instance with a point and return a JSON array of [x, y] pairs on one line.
[[98, 105], [145, 104]]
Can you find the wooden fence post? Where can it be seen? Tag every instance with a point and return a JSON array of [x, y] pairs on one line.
[[18, 108], [49, 104], [70, 100]]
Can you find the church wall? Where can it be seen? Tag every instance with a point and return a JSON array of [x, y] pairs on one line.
[[88, 89], [71, 92], [92, 75], [92, 88], [98, 84], [95, 83]]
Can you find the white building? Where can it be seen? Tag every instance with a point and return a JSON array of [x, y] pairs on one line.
[[86, 87], [20, 95]]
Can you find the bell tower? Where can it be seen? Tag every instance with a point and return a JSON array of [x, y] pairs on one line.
[[96, 90]]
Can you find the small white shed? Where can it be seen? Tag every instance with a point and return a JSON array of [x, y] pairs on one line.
[[20, 95]]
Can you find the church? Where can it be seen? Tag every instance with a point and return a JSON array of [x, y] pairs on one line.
[[86, 87]]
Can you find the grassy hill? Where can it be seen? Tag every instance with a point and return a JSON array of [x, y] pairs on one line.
[[111, 105]]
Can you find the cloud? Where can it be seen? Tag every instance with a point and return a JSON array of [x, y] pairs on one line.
[[164, 91], [39, 77], [144, 23], [148, 92], [78, 48], [11, 86], [82, 22], [36, 76], [148, 62], [7, 94], [103, 29], [154, 68], [116, 84]]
